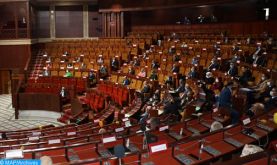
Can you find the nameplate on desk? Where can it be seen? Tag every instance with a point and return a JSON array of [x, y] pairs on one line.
[[109, 139], [36, 133], [125, 119], [12, 154], [119, 129], [33, 138], [246, 121], [163, 128], [54, 141], [61, 67], [71, 133], [158, 148], [128, 123]]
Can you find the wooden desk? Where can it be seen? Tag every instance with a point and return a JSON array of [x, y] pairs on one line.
[[161, 158]]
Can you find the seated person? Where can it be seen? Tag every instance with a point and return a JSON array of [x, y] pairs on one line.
[[142, 73], [255, 110], [246, 76], [100, 61], [169, 80], [114, 64], [214, 65], [69, 65], [103, 71], [126, 81], [235, 58], [155, 65], [66, 53], [68, 74], [155, 98], [46, 73], [154, 123], [195, 61], [233, 70], [83, 66], [259, 59], [192, 73], [131, 71], [91, 79], [181, 87], [175, 69], [171, 107], [209, 79], [153, 75], [136, 62], [145, 88], [271, 102]]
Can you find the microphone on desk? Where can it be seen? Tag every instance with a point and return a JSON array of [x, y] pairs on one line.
[[202, 141]]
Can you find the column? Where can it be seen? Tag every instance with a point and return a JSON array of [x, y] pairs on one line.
[[52, 22], [85, 22]]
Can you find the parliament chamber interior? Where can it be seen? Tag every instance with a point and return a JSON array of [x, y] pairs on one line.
[[148, 82]]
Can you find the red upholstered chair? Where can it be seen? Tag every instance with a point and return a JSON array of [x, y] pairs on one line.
[[101, 103], [95, 102]]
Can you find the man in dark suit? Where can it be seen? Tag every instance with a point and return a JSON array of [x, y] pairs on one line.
[[171, 107], [271, 103], [225, 103], [175, 69], [181, 87], [233, 71], [114, 64], [126, 81], [153, 75], [192, 73], [155, 65], [246, 76], [214, 65]]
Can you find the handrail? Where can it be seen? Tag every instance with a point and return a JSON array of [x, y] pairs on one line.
[[26, 68]]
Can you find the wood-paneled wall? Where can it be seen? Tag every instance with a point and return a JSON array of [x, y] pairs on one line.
[[14, 56], [232, 28], [113, 24]]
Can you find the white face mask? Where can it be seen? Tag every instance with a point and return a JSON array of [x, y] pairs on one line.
[[268, 83], [271, 93], [263, 78]]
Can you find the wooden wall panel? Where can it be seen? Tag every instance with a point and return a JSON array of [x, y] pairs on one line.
[[5, 82], [69, 21], [14, 56], [43, 17], [232, 28]]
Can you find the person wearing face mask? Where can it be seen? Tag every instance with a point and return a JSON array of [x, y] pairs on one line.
[[209, 79], [271, 102], [235, 58], [214, 65], [225, 104], [233, 71], [192, 73]]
